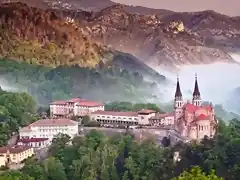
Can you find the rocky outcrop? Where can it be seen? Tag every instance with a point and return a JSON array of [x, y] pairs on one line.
[[168, 40]]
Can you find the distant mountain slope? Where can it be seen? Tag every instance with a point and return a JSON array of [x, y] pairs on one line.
[[86, 38], [106, 84], [48, 37]]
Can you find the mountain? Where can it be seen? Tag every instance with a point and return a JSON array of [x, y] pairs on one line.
[[48, 37], [167, 39]]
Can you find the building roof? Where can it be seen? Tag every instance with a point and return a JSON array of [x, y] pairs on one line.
[[196, 91], [49, 122], [14, 149], [54, 122], [202, 117], [161, 116], [146, 111], [192, 108], [29, 140], [79, 102], [178, 92], [115, 113]]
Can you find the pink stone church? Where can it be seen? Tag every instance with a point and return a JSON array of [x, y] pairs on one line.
[[192, 119]]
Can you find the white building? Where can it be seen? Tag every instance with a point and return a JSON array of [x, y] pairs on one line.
[[123, 118], [160, 120], [75, 107], [48, 128]]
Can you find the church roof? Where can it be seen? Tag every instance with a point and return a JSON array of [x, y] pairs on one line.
[[192, 108], [202, 117], [196, 91], [178, 92]]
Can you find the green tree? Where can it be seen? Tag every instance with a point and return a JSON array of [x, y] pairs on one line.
[[54, 169], [15, 175], [33, 169], [197, 174]]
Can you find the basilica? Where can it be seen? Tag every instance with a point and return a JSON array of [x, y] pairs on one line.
[[193, 119]]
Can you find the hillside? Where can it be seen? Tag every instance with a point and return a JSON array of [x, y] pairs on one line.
[[42, 37], [106, 84], [75, 36]]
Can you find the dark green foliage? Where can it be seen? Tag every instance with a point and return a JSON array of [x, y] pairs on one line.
[[16, 110], [48, 84], [128, 106]]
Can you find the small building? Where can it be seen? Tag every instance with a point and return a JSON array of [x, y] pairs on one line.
[[160, 120], [47, 128], [14, 154], [74, 107], [123, 118], [33, 142]]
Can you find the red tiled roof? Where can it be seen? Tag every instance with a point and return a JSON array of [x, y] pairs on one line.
[[114, 113], [26, 129], [146, 111], [192, 108], [53, 122], [28, 140], [14, 149], [202, 117], [80, 102]]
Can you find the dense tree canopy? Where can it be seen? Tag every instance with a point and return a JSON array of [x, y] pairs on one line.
[[48, 84], [16, 110], [128, 106], [197, 174]]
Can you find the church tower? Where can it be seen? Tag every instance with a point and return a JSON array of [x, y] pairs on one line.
[[196, 94], [178, 100], [178, 103]]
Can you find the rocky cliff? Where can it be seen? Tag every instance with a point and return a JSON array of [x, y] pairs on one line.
[[47, 34]]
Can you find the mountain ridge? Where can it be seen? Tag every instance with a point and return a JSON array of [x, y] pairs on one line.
[[169, 41]]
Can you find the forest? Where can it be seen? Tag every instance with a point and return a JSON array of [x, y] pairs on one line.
[[16, 110], [46, 84], [120, 157]]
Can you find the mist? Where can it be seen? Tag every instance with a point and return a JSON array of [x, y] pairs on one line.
[[6, 86], [216, 81]]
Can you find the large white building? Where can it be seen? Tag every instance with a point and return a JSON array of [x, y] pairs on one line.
[[123, 118], [74, 107], [47, 129]]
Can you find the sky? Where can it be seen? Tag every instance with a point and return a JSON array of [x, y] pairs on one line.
[[229, 7]]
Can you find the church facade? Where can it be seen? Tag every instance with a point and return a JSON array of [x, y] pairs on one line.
[[192, 119]]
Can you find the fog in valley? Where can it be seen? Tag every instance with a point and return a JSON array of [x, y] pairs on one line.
[[216, 82], [5, 85]]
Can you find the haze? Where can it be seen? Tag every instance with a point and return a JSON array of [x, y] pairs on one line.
[[216, 82], [231, 8]]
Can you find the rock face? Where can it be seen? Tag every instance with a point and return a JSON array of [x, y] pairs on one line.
[[44, 37], [160, 40]]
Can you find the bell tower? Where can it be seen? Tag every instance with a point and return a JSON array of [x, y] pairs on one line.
[[178, 103], [196, 100], [178, 100]]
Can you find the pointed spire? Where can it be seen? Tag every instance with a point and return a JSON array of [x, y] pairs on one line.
[[196, 91], [178, 92]]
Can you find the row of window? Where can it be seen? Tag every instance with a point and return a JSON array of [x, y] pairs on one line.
[[116, 121], [114, 117], [53, 130], [79, 107]]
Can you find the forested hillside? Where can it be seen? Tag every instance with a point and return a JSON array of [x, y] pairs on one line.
[[104, 83], [16, 110]]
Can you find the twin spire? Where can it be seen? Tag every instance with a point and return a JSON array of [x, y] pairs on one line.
[[196, 92]]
